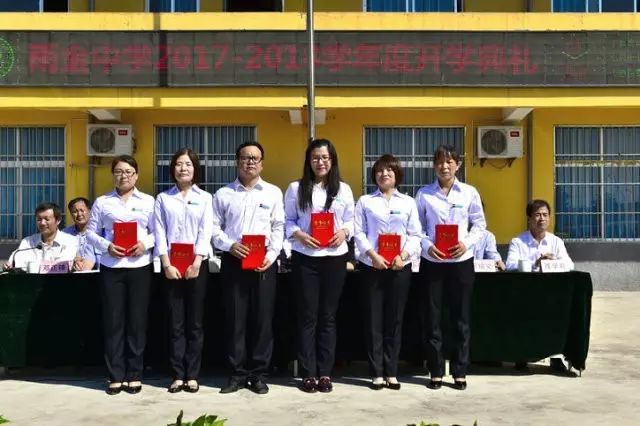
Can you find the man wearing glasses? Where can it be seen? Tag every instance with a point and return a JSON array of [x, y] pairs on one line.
[[248, 206]]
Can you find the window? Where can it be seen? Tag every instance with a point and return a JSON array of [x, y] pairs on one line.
[[31, 172], [215, 146], [173, 5], [34, 6], [413, 5], [597, 182], [595, 5], [254, 5], [414, 147]]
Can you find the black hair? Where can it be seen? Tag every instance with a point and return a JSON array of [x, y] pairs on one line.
[[194, 160], [57, 213], [332, 185], [73, 202], [124, 159], [534, 205], [388, 161], [249, 143], [446, 152]]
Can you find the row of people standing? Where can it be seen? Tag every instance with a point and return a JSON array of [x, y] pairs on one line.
[[187, 214]]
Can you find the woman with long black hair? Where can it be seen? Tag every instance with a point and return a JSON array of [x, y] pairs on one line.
[[319, 267], [447, 270]]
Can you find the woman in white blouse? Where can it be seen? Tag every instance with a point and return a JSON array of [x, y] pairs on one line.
[[448, 271], [184, 215], [386, 280], [318, 271], [125, 274]]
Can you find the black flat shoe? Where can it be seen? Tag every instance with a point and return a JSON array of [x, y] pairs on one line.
[[309, 385], [132, 389], [191, 388], [325, 385], [113, 390], [233, 386], [376, 386], [393, 386], [459, 384], [259, 387], [434, 384], [175, 387]]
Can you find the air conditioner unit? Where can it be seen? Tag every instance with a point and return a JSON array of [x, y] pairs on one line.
[[499, 142], [109, 140]]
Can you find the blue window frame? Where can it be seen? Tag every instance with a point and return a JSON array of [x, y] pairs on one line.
[[21, 5], [31, 171], [595, 5], [414, 147], [413, 5], [597, 183], [173, 5], [215, 146]]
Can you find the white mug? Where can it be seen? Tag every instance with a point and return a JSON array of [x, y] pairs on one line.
[[524, 265]]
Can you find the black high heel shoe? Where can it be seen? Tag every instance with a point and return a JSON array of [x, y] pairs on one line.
[[176, 386], [132, 389], [191, 388], [434, 384], [459, 384]]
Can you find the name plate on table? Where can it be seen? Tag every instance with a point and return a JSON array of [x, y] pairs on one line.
[[54, 268], [484, 265], [553, 265]]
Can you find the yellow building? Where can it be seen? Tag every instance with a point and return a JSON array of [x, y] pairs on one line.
[[561, 88]]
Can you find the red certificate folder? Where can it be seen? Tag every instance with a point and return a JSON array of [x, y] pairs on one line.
[[446, 237], [322, 227], [257, 251], [125, 234], [181, 256], [389, 246]]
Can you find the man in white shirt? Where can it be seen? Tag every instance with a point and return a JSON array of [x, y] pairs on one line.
[[535, 245], [80, 209], [248, 206], [48, 246]]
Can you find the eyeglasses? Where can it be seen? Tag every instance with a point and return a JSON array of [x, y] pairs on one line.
[[249, 159], [324, 159], [126, 173]]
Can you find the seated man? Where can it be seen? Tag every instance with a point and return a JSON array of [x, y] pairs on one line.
[[48, 245], [534, 245], [86, 257], [486, 248]]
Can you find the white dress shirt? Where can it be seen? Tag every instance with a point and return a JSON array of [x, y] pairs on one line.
[[375, 215], [342, 208], [63, 248], [181, 219], [486, 247], [239, 211], [462, 206], [85, 250], [111, 208], [525, 247]]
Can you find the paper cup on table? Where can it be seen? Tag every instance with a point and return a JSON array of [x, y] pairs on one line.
[[524, 266]]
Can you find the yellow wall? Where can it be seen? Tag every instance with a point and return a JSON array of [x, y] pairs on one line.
[[211, 5], [78, 5], [119, 5], [541, 6], [324, 5]]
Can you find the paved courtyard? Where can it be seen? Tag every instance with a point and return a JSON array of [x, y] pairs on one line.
[[606, 394]]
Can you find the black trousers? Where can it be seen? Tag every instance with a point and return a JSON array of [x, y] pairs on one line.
[[318, 282], [125, 301], [453, 282], [186, 335], [249, 299], [385, 297]]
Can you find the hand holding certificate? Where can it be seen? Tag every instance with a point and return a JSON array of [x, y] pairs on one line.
[[389, 246], [257, 251], [446, 239], [181, 257], [322, 226], [125, 235]]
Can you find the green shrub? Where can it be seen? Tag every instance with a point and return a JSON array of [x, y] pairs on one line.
[[203, 420]]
